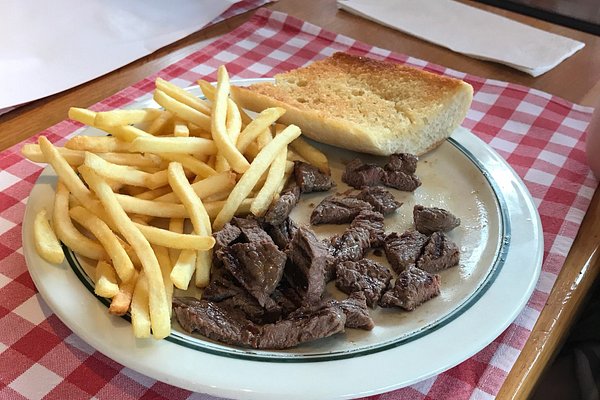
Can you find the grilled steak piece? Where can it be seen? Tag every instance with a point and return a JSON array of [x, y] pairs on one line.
[[413, 287], [310, 179], [357, 314], [215, 321], [400, 172], [351, 245], [433, 219], [281, 208], [403, 162], [401, 181], [403, 250], [257, 266], [380, 198], [250, 308], [438, 254], [366, 276], [283, 233], [227, 235], [303, 325], [372, 221], [252, 230], [224, 324], [305, 269], [358, 174], [337, 210]]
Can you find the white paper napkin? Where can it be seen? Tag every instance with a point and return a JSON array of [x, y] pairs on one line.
[[48, 47], [470, 31]]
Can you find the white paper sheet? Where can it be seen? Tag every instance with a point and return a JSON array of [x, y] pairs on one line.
[[470, 31], [51, 46]]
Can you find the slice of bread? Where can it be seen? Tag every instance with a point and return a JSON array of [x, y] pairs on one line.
[[365, 105]]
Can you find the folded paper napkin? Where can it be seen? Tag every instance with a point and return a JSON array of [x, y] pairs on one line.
[[470, 31]]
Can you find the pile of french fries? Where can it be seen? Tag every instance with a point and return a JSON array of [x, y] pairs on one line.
[[142, 203]]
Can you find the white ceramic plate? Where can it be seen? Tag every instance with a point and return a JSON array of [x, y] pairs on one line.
[[501, 253]]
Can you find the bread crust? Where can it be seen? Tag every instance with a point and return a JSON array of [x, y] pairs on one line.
[[365, 105]]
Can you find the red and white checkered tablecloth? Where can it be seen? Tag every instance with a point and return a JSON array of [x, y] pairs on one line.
[[540, 135]]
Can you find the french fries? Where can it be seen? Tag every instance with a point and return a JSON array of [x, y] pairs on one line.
[[46, 243], [197, 160]]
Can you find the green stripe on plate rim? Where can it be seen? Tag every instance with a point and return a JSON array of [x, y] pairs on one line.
[[204, 345]]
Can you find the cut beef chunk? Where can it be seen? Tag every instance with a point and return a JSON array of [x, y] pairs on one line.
[[403, 162], [257, 266], [286, 298], [358, 174], [283, 233], [403, 250], [215, 321], [281, 208], [227, 325], [305, 269], [357, 314], [433, 219], [413, 287], [438, 254], [338, 210], [310, 179], [352, 245], [401, 181], [249, 306], [251, 229], [227, 235], [372, 221], [400, 172], [303, 325], [380, 198], [365, 276]]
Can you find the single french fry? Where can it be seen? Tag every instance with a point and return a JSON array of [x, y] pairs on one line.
[[233, 126], [65, 172], [257, 126], [265, 196], [311, 154], [106, 280], [253, 174], [218, 126], [126, 117], [46, 243], [159, 307], [85, 116], [174, 240], [183, 96], [140, 311], [162, 255], [182, 145], [120, 260], [98, 144], [121, 301], [66, 231], [124, 174], [182, 110], [75, 158], [154, 208], [183, 269]]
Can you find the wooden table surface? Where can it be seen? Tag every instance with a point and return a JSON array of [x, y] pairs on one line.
[[577, 79]]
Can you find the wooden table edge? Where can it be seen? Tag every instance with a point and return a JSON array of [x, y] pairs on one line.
[[571, 289]]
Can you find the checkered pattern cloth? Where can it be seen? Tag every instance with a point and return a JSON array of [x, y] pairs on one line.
[[540, 135]]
